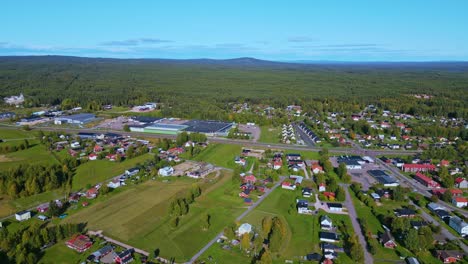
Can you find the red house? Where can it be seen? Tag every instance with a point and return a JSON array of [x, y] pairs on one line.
[[426, 181], [444, 163], [176, 151], [92, 193], [456, 192], [250, 179], [97, 148], [387, 240], [449, 256], [418, 167], [79, 243]]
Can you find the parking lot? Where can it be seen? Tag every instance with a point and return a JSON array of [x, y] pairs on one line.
[[254, 130]]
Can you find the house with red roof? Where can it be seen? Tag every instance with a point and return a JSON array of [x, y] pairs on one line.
[[79, 243], [92, 156], [97, 148], [322, 187], [288, 185], [418, 167], [92, 193], [456, 192], [426, 181], [316, 169], [277, 164], [249, 179], [461, 183], [460, 202], [176, 151], [329, 195], [444, 163]]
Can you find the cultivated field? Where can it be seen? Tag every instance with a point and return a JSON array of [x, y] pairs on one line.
[[138, 216]]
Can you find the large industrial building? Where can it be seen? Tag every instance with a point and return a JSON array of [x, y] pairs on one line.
[[174, 127], [383, 178], [78, 119]]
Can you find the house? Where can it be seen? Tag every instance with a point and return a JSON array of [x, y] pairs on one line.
[[449, 256], [240, 161], [434, 207], [23, 215], [248, 201], [132, 171], [42, 217], [405, 212], [335, 207], [115, 183], [322, 187], [249, 179], [293, 156], [459, 225], [329, 237], [97, 148], [245, 228], [444, 163], [313, 257], [92, 156], [92, 193], [277, 164], [245, 193], [456, 192], [303, 207], [327, 247], [166, 171], [326, 223], [75, 145], [387, 240], [426, 181], [297, 179], [418, 224], [418, 167], [95, 256], [287, 185], [375, 196], [43, 208], [461, 183], [124, 257], [306, 192], [316, 169], [442, 214], [460, 202], [74, 197], [80, 243]]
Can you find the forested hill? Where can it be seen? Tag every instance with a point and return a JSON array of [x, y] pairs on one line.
[[204, 87]]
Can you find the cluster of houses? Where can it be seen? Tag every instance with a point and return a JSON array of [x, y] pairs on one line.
[[249, 184], [288, 135], [455, 222], [328, 242], [105, 254], [108, 145]]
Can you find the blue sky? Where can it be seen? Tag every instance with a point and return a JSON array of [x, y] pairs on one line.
[[396, 30]]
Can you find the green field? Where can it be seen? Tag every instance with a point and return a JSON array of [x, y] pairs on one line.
[[303, 235], [220, 154], [269, 134], [138, 216], [96, 171]]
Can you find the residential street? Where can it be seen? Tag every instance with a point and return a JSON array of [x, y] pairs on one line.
[[357, 228], [252, 207]]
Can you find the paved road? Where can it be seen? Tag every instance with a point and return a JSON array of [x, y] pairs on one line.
[[443, 230], [245, 143], [205, 248], [357, 228]]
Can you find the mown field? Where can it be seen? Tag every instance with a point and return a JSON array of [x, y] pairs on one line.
[[220, 154], [138, 216], [269, 134]]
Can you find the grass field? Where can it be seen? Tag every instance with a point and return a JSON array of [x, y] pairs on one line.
[[8, 206], [303, 230], [97, 171], [269, 134], [138, 216], [220, 154], [34, 155]]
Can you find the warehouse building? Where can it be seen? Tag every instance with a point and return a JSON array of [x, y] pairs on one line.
[[209, 128], [78, 119], [383, 178]]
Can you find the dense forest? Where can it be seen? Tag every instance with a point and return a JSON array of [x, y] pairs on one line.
[[205, 88]]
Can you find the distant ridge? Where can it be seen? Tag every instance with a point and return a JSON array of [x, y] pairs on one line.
[[245, 62]]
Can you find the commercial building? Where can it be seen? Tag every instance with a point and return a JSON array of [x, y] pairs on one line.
[[78, 119], [383, 178]]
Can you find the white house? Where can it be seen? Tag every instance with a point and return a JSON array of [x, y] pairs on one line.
[[459, 225], [322, 187], [23, 215], [132, 171], [245, 228], [303, 207], [326, 223], [75, 145], [460, 201], [116, 183], [336, 207], [288, 185], [166, 171], [306, 192], [434, 206]]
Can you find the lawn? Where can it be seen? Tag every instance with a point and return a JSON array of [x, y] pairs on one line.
[[12, 134], [61, 254], [138, 216], [269, 134], [220, 154], [8, 206], [97, 171]]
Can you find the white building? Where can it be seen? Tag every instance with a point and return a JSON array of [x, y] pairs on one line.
[[23, 215], [166, 171], [459, 225], [326, 223], [245, 228], [14, 100]]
